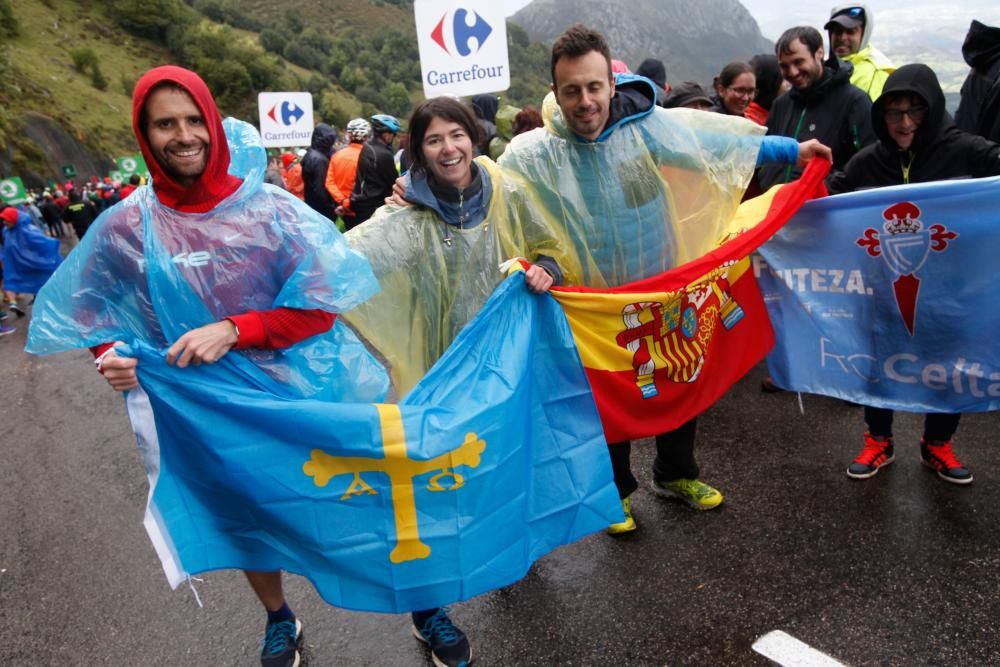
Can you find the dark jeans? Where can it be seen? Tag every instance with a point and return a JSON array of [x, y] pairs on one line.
[[937, 425], [674, 459]]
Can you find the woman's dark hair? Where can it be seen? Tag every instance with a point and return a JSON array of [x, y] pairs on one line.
[[768, 74], [526, 119], [439, 107], [730, 72]]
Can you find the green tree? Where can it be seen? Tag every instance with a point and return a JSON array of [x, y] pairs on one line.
[[273, 39], [97, 78], [9, 26], [151, 19], [292, 21], [84, 59], [230, 84], [396, 99]]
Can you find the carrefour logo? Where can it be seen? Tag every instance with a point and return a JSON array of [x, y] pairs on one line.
[[286, 118], [289, 113], [456, 36]]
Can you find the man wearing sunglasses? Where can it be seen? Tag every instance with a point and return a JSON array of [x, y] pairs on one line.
[[850, 27], [917, 142]]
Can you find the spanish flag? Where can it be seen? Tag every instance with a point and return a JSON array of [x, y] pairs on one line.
[[661, 350]]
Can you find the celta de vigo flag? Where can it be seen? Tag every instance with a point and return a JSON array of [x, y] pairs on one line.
[[887, 297]]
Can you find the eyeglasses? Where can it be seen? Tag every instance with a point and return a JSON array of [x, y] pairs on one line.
[[916, 114], [853, 12], [744, 92]]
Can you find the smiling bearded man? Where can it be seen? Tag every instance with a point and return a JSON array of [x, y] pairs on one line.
[[205, 264]]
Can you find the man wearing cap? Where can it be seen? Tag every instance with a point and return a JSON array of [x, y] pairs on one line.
[[850, 27], [688, 95]]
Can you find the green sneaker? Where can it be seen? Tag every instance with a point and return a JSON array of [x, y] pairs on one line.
[[695, 493], [626, 526]]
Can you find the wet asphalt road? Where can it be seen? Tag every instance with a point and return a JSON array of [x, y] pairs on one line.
[[902, 569]]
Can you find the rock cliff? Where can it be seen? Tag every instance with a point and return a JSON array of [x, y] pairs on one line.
[[694, 38]]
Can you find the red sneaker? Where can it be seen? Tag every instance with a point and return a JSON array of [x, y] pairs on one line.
[[940, 457], [877, 453]]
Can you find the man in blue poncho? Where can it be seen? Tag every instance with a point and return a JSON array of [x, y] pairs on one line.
[[29, 258], [206, 262]]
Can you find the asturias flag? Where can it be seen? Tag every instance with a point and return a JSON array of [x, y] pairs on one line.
[[495, 458], [660, 351]]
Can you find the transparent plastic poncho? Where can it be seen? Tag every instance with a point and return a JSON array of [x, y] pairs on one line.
[[656, 192], [432, 287], [146, 272]]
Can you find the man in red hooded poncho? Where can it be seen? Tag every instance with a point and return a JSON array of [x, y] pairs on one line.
[[203, 245], [180, 132]]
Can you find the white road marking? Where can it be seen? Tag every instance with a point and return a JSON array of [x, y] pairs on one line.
[[788, 651]]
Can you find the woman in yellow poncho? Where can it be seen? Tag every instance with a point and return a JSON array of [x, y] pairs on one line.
[[438, 261]]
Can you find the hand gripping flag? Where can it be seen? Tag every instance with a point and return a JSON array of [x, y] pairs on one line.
[[660, 351], [495, 458], [884, 297]]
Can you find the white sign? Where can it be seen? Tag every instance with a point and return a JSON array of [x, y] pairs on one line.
[[463, 46], [286, 119]]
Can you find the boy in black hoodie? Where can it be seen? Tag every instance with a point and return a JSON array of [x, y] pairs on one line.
[[917, 142]]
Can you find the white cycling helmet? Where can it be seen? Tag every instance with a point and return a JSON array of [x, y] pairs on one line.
[[359, 129]]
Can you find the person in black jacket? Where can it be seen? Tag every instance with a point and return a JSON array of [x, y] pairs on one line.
[[822, 104], [655, 71], [52, 214], [314, 166], [485, 107], [979, 111], [79, 214], [376, 169], [917, 142]]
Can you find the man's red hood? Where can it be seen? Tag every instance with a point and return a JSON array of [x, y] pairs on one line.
[[215, 183]]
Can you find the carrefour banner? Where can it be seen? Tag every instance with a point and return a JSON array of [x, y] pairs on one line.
[[495, 458], [286, 119], [888, 297], [463, 46]]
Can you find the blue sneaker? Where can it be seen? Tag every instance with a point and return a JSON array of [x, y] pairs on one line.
[[6, 331], [281, 644], [449, 645]]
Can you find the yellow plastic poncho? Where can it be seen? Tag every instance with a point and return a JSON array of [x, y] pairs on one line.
[[655, 190], [436, 277]]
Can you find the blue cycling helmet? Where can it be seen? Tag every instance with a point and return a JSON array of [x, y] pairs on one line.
[[383, 122]]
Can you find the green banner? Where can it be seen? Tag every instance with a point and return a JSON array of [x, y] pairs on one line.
[[12, 190], [115, 176], [69, 171], [132, 164]]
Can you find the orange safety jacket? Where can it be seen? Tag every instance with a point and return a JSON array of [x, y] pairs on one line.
[[341, 174]]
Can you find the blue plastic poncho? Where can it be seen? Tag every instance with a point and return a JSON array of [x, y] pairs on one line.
[[150, 273], [29, 256]]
